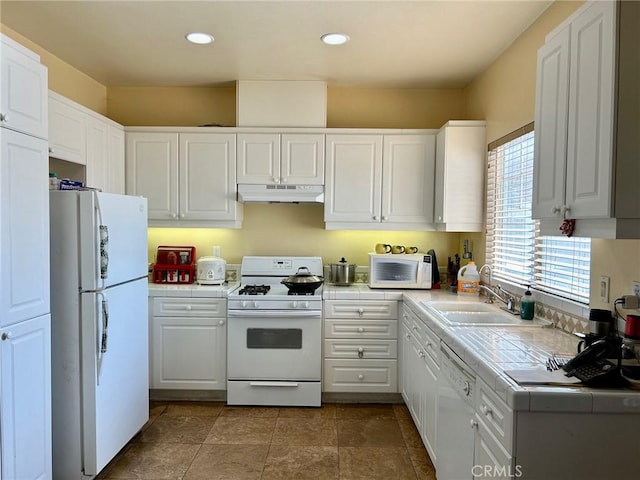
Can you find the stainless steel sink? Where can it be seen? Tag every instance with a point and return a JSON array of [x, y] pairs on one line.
[[476, 313]]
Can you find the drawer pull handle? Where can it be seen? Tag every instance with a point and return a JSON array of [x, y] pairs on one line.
[[360, 377], [486, 410], [360, 330], [360, 311]]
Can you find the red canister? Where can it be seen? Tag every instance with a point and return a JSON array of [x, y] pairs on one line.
[[632, 327]]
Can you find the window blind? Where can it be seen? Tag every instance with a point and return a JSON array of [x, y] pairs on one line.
[[515, 250]]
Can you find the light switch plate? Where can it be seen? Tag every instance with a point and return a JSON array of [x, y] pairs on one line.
[[604, 288]]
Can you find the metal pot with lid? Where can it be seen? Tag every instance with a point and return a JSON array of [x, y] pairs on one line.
[[342, 273], [303, 282]]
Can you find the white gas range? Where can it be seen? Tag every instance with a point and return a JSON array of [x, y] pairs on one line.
[[274, 338]]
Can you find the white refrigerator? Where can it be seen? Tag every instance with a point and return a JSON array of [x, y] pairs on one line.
[[99, 328]]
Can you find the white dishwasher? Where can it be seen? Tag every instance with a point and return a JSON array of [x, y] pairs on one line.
[[455, 419]]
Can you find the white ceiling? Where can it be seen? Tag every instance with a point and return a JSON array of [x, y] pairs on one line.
[[394, 43]]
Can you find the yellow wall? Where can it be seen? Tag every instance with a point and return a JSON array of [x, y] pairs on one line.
[[504, 96], [64, 79]]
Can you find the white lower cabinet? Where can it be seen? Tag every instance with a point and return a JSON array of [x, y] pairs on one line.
[[419, 376], [25, 411], [188, 343], [360, 346]]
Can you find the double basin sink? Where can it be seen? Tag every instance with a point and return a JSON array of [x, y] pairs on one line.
[[476, 313]]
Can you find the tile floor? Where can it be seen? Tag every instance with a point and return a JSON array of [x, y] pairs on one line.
[[212, 441]]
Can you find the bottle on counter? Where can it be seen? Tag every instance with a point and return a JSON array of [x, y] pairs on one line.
[[527, 305], [54, 181], [468, 279]]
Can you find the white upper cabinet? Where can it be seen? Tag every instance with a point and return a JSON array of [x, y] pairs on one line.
[[274, 159], [68, 130], [379, 182], [459, 179], [23, 104], [586, 142], [189, 179], [84, 137]]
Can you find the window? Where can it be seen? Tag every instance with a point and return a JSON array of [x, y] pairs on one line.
[[516, 251]]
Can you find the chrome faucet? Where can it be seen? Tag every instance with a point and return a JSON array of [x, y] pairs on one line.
[[486, 267], [508, 299]]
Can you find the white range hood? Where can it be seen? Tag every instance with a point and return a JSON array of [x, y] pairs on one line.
[[280, 193]]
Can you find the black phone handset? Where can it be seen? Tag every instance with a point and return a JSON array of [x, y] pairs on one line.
[[593, 365]]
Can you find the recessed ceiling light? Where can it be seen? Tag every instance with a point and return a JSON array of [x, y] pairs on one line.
[[334, 38], [199, 38]]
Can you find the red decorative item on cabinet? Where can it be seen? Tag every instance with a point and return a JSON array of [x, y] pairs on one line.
[[174, 265]]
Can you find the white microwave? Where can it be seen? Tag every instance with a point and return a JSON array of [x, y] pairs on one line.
[[388, 270]]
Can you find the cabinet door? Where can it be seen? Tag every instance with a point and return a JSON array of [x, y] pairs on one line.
[[207, 176], [24, 227], [404, 373], [591, 112], [490, 460], [97, 159], [353, 175], [408, 179], [427, 383], [258, 158], [152, 171], [302, 160], [23, 96], [550, 149], [459, 179], [115, 160], [26, 399], [202, 366], [67, 130]]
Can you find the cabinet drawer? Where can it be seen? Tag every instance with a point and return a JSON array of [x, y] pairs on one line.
[[338, 328], [190, 307], [495, 414], [361, 309], [431, 344], [354, 348], [364, 375]]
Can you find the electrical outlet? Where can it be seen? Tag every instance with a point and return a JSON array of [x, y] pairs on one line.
[[635, 288], [604, 288]]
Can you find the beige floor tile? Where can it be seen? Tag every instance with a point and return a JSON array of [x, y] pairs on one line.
[[228, 462], [305, 431], [154, 461], [372, 432], [286, 462], [422, 463], [364, 410], [327, 410], [170, 429], [375, 463], [267, 412], [242, 430]]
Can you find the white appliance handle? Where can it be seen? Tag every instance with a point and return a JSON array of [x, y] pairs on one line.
[[273, 384], [275, 313]]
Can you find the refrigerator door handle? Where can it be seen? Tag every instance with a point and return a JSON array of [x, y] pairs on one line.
[[105, 325]]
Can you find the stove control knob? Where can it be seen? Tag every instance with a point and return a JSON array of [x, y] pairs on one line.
[[294, 304], [244, 304], [255, 304], [306, 304]]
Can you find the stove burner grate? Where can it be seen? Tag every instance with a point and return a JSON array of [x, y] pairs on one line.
[[254, 290]]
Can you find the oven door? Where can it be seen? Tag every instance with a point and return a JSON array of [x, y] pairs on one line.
[[274, 345]]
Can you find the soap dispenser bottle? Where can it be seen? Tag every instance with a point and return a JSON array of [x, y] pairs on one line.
[[527, 305]]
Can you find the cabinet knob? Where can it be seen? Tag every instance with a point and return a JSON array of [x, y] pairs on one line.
[[360, 330], [221, 322], [360, 352], [3, 117], [467, 388], [283, 180], [407, 335], [188, 307], [50, 150], [5, 335], [275, 180], [421, 354], [555, 210], [473, 423], [360, 311], [486, 411], [182, 215], [174, 215], [384, 218], [439, 218], [360, 377], [428, 344], [375, 217]]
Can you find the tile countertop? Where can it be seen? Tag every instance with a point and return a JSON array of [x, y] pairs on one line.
[[191, 290], [490, 351]]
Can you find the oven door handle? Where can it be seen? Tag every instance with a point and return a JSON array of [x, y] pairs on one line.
[[273, 384], [274, 313]]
